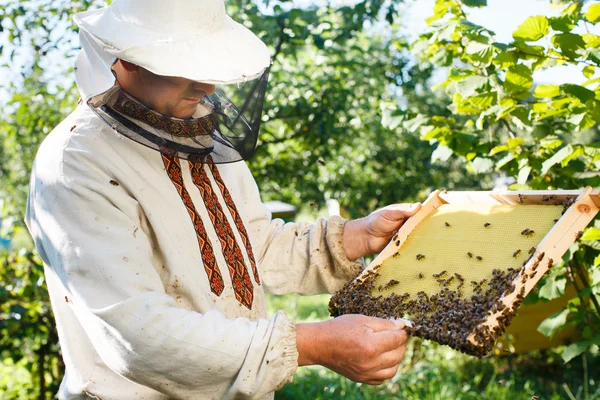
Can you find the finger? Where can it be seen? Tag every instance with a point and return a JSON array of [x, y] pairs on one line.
[[390, 340], [384, 374], [392, 358], [373, 382]]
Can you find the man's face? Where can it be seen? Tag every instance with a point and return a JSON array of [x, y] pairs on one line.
[[170, 96]]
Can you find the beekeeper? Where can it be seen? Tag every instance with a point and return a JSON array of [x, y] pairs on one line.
[[156, 246]]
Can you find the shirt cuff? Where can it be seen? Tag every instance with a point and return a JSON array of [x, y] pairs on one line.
[[289, 350], [344, 267]]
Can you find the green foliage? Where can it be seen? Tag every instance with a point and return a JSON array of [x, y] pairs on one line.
[[28, 338], [545, 136]]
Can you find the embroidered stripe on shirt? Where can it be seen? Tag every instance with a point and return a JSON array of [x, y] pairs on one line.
[[215, 278], [242, 285], [236, 218]]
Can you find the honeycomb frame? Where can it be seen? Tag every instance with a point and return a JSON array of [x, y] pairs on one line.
[[579, 208]]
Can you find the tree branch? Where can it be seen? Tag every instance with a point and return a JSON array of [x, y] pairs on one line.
[[281, 140], [581, 275], [507, 125], [281, 39]]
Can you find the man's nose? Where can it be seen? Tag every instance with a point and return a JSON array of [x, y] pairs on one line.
[[205, 87]]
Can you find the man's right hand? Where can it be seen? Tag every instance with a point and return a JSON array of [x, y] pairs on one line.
[[363, 349]]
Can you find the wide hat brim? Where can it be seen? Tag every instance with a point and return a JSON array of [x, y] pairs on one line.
[[230, 54]]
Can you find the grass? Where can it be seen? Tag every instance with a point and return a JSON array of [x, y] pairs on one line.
[[433, 372]]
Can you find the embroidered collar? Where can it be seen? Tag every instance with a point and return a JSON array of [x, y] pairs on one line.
[[132, 108]]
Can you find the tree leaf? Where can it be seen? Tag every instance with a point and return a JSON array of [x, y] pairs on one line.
[[556, 158], [523, 175], [484, 100], [571, 44], [553, 323], [480, 53], [588, 71], [591, 41], [441, 154], [475, 3], [546, 91], [482, 165], [591, 233], [563, 23], [578, 91], [575, 349], [468, 86], [518, 79], [553, 288], [534, 28], [593, 13]]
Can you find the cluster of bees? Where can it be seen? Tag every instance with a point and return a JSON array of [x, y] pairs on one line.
[[447, 316]]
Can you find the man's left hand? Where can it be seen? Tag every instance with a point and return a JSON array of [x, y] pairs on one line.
[[369, 235]]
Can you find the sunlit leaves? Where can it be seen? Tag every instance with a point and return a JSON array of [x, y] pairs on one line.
[[534, 28], [546, 91], [588, 71], [593, 13], [518, 79]]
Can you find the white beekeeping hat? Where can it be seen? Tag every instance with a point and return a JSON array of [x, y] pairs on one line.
[[193, 39]]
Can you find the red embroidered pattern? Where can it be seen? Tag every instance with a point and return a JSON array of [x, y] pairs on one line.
[[215, 278], [176, 127], [236, 217], [242, 285]]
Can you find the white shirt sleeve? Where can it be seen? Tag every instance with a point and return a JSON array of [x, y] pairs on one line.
[[306, 258]]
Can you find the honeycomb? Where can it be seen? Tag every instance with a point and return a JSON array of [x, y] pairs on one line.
[[447, 236]]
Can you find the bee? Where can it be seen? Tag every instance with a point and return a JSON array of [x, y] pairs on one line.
[[73, 127], [527, 232], [516, 253], [479, 258], [556, 220], [396, 255], [487, 225], [531, 250], [321, 161], [420, 257], [391, 283], [314, 204], [421, 275], [470, 254], [114, 183], [397, 243], [67, 299], [578, 235], [447, 224], [521, 198]]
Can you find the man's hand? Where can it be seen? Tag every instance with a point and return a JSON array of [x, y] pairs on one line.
[[371, 234], [363, 349]]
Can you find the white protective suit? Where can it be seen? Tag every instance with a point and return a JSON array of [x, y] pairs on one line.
[[139, 252]]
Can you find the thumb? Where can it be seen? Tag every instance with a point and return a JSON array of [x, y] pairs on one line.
[[380, 324], [403, 211]]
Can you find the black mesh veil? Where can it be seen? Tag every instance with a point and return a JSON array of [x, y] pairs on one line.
[[224, 128]]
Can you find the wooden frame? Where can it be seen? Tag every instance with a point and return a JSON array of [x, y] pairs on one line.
[[580, 208]]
